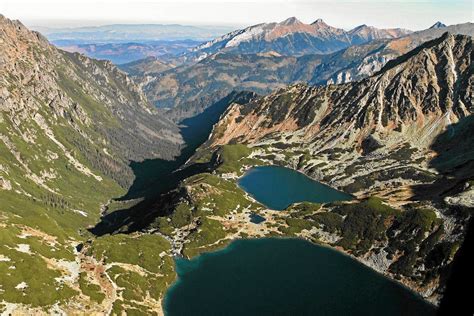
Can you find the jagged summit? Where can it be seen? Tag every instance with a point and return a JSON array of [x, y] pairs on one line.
[[14, 29], [438, 25], [362, 26]]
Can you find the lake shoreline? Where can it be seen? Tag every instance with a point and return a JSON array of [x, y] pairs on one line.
[[265, 231]]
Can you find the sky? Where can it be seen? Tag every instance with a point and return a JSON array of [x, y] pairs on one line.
[[410, 14]]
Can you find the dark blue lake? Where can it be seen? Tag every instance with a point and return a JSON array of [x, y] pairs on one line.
[[285, 277], [278, 187]]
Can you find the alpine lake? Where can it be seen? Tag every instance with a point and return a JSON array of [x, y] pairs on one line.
[[276, 276]]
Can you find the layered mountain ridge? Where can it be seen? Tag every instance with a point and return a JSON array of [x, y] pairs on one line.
[[222, 72]]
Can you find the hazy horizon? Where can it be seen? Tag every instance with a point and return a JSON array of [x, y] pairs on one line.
[[414, 15]]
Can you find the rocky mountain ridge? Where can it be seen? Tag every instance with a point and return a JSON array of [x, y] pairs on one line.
[[360, 61], [290, 37], [435, 72]]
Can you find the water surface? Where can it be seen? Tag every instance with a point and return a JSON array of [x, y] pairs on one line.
[[278, 187], [285, 277], [256, 219]]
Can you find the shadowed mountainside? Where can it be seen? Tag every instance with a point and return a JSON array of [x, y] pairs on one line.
[[155, 177]]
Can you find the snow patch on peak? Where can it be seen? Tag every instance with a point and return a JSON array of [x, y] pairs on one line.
[[438, 25], [249, 34]]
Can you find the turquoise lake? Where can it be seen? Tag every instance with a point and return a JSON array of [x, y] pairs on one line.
[[278, 187], [285, 277]]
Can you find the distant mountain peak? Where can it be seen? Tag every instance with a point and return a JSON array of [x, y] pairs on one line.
[[438, 25], [362, 26], [318, 21], [291, 21]]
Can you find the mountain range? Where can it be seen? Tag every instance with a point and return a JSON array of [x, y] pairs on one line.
[[290, 37], [121, 53], [189, 87], [120, 33]]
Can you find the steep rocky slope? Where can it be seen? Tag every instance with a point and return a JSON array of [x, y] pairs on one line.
[[69, 126], [358, 62], [398, 141], [90, 104]]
